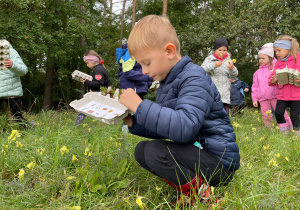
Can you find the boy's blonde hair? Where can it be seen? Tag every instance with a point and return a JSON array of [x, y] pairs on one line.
[[152, 31], [295, 45]]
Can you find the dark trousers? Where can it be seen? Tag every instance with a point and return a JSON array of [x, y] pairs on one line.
[[294, 112], [226, 107], [15, 107], [179, 163], [236, 109]]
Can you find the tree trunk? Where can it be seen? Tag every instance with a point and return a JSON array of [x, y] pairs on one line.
[[231, 5], [133, 13], [110, 11], [165, 8], [82, 42], [122, 21], [48, 86], [104, 11]]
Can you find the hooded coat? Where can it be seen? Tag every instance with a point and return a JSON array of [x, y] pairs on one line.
[[130, 72], [10, 81], [220, 76]]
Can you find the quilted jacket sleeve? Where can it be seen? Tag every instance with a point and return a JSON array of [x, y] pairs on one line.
[[18, 68], [182, 123], [208, 65]]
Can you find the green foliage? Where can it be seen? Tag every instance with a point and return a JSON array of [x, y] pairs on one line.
[[104, 174], [49, 32]]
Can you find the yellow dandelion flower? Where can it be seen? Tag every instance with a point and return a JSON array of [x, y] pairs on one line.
[[233, 60], [64, 150], [89, 130], [75, 208], [287, 159], [6, 146], [84, 125], [253, 129], [277, 128], [266, 147], [71, 178], [90, 154], [86, 151], [269, 112], [273, 163], [21, 174], [19, 144], [14, 135], [30, 165], [212, 190], [277, 155], [261, 138], [40, 151], [140, 202], [234, 124], [94, 120], [74, 158]]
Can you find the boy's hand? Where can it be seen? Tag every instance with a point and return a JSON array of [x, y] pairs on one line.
[[273, 79], [255, 104], [8, 63], [230, 66], [246, 89], [130, 99], [83, 80], [218, 64], [128, 120]]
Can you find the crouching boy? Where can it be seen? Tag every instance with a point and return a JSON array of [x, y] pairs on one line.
[[188, 111]]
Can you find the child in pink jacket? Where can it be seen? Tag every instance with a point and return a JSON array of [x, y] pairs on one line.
[[287, 52], [263, 93]]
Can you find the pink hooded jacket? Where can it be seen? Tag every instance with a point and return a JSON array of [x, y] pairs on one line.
[[287, 92], [260, 90]]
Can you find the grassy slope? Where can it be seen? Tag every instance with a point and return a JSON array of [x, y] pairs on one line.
[[110, 178]]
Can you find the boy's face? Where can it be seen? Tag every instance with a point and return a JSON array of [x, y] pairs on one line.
[[221, 51], [263, 59], [155, 63], [281, 53]]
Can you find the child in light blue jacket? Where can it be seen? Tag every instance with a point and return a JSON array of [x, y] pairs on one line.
[[11, 91]]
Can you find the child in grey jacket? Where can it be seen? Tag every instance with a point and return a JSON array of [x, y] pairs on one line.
[[220, 67]]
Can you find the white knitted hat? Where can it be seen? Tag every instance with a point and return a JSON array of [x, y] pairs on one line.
[[267, 49]]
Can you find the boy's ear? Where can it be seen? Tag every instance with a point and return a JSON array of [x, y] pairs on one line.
[[170, 50]]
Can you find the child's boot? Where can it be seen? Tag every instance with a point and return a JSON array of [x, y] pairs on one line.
[[79, 119], [195, 188], [283, 127], [289, 123]]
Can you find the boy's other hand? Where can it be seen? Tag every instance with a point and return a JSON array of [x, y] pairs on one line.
[[130, 99], [230, 66], [255, 104], [128, 120], [218, 64], [8, 63], [246, 89]]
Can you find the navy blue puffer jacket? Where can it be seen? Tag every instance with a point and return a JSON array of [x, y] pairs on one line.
[[189, 109]]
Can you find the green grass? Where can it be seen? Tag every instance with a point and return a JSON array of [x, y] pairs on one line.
[[269, 176]]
